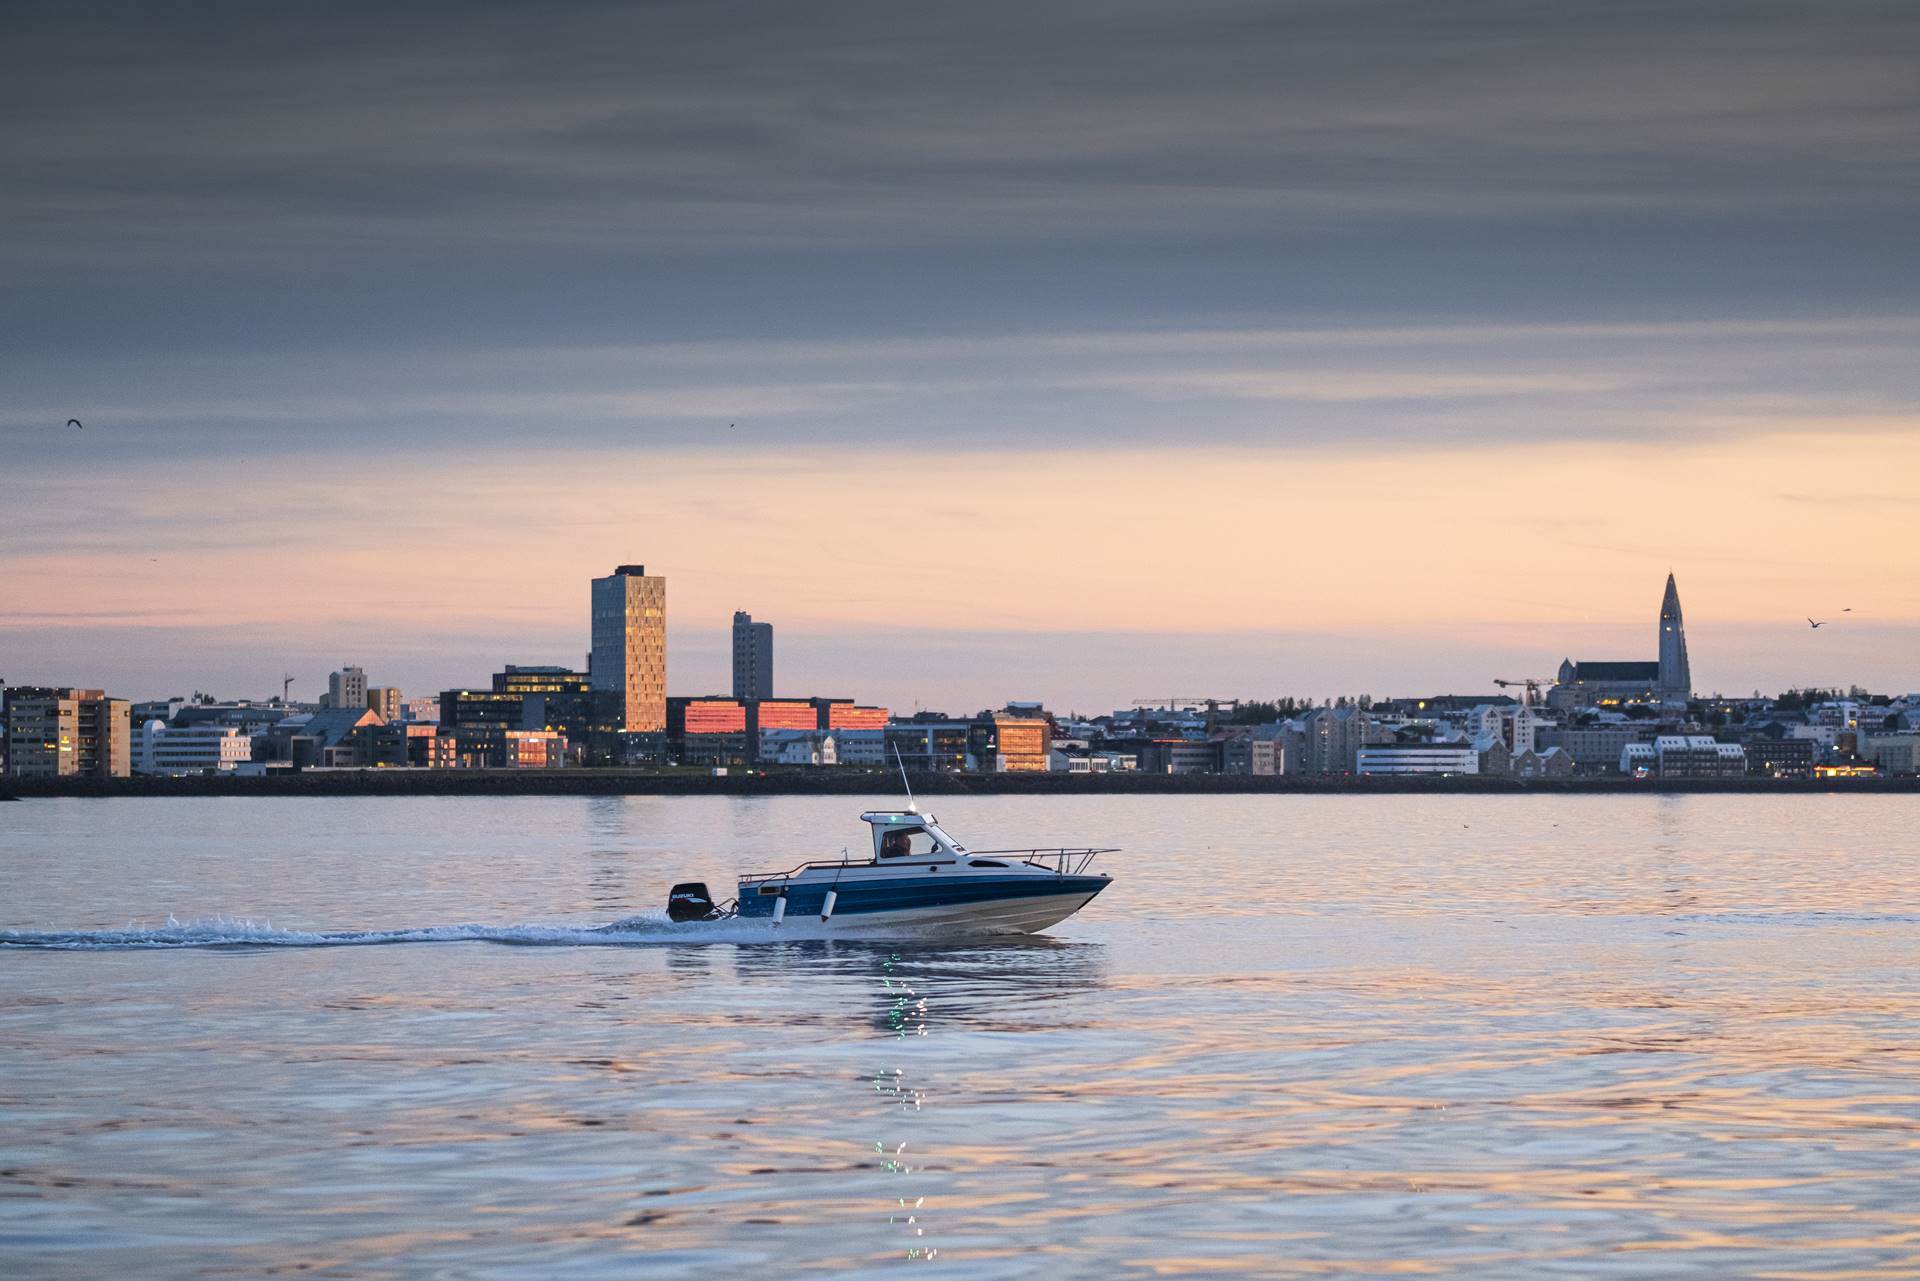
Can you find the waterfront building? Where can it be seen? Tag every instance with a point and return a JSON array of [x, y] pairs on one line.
[[1084, 761], [1493, 754], [929, 745], [1334, 737], [385, 699], [534, 749], [159, 748], [1001, 743], [1894, 753], [1179, 756], [628, 661], [555, 698], [1259, 751], [1551, 762], [1666, 683], [347, 688], [843, 714], [710, 731], [784, 714], [752, 657], [798, 747], [405, 745], [1595, 749], [860, 746], [1377, 759], [1684, 756], [324, 739], [521, 700], [57, 732], [1781, 756]]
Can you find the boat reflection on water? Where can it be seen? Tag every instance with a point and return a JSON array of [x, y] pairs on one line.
[[987, 984]]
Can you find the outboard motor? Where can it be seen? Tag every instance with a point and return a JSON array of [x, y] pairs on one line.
[[691, 902]]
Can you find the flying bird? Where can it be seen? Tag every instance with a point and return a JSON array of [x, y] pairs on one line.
[[1811, 623], [75, 422]]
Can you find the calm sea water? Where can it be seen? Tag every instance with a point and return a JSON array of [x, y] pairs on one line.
[[1299, 1036]]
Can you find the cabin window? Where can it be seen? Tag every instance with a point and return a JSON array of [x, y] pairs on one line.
[[987, 862], [908, 842], [769, 889]]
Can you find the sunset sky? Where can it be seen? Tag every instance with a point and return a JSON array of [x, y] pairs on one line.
[[1082, 352]]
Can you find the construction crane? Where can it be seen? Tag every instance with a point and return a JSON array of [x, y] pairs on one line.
[[1531, 684], [286, 686]]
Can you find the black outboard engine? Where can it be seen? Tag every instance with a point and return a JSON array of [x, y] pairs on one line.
[[691, 902]]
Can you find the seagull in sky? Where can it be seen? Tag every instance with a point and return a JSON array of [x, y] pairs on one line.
[[1811, 623], [74, 422]]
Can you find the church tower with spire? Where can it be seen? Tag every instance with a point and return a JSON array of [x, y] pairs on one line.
[[1676, 678]]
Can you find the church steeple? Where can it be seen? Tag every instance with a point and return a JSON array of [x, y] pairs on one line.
[[1676, 679]]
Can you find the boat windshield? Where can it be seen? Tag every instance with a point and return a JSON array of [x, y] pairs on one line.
[[908, 842]]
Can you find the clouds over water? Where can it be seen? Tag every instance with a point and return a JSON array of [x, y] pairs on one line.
[[257, 136], [384, 284]]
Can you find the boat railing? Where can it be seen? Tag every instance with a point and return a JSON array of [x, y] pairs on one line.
[[1063, 862]]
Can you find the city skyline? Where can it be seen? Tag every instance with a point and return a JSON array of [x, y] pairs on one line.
[[1201, 356]]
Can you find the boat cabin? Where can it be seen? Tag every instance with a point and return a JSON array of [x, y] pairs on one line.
[[907, 834]]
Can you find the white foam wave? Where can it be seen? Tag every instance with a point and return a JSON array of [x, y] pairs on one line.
[[251, 934]]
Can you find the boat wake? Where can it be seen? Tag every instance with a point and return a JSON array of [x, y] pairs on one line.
[[638, 930]]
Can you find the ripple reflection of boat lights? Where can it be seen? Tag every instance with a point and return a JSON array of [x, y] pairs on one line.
[[907, 1013]]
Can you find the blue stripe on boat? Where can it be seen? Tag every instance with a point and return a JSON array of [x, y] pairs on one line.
[[902, 893]]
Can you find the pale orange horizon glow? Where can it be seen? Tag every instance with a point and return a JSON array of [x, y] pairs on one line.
[[1180, 539]]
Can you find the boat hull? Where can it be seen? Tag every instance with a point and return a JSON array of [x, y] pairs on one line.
[[1012, 905]]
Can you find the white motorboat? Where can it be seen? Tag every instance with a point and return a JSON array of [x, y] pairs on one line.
[[919, 878]]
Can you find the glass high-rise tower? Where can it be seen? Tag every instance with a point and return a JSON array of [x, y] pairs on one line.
[[629, 654]]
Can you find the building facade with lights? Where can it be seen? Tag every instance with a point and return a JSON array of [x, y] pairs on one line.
[[628, 660]]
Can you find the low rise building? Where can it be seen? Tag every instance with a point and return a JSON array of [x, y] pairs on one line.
[[190, 749], [860, 746], [1684, 756], [1895, 754], [1002, 743], [797, 747], [930, 745], [710, 732], [1377, 759], [1782, 756], [1549, 762], [1594, 749], [1179, 756]]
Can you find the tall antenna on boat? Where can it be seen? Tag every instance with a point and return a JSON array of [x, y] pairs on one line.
[[913, 806]]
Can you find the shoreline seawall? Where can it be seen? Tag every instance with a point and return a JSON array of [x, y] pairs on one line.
[[612, 782]]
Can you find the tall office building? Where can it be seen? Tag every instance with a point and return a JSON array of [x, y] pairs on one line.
[[752, 657], [629, 654], [347, 688]]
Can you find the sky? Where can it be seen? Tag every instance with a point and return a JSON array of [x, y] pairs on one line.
[[1082, 352]]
